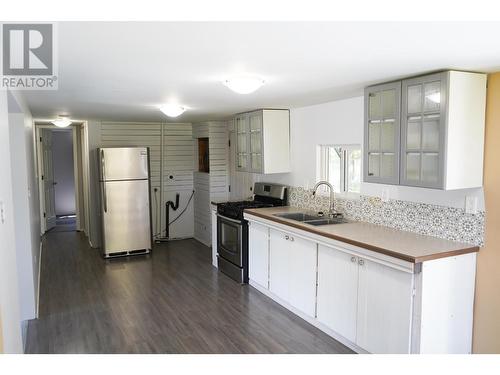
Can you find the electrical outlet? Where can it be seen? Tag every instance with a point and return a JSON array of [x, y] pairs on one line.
[[470, 204]]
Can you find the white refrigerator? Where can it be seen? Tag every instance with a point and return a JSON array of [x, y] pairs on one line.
[[125, 200]]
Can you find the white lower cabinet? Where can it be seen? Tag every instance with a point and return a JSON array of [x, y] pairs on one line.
[[384, 308], [258, 254], [337, 291], [368, 303], [292, 270]]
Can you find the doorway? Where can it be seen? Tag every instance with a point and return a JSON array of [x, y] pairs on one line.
[[60, 171], [64, 179]]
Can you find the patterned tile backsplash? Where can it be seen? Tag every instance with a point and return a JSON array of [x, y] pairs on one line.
[[438, 221]]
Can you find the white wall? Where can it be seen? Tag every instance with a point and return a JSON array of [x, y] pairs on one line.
[[9, 297], [25, 271], [62, 155], [27, 211], [341, 122]]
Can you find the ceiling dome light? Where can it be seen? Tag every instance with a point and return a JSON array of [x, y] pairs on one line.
[[62, 122], [172, 110], [244, 84]]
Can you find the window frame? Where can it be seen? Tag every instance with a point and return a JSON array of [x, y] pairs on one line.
[[322, 168]]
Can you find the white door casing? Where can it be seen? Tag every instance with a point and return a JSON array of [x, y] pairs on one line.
[[47, 182]]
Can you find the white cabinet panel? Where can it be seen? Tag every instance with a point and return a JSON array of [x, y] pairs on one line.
[[279, 264], [337, 291], [258, 254], [292, 270], [302, 275], [214, 235], [263, 141], [384, 308]]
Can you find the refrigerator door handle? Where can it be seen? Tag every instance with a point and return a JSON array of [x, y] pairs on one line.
[[104, 197]]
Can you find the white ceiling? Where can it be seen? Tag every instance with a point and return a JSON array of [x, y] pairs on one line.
[[123, 71]]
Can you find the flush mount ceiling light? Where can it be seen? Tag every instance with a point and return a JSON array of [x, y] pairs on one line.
[[62, 122], [172, 110], [244, 84]]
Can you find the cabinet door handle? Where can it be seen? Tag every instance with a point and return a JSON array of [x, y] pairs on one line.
[[353, 259], [361, 262]]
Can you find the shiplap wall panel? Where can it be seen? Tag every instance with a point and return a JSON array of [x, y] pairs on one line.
[[178, 163], [212, 186]]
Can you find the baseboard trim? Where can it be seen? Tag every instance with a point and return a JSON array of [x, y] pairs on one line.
[[208, 244], [308, 318]]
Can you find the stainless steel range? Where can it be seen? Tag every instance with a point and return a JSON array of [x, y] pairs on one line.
[[232, 229]]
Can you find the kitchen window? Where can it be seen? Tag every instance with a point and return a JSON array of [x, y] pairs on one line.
[[340, 165]]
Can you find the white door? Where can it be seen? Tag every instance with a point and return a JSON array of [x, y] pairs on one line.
[[47, 179], [337, 291], [258, 254], [384, 308], [279, 264], [302, 274]]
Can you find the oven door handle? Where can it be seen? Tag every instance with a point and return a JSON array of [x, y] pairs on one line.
[[228, 219]]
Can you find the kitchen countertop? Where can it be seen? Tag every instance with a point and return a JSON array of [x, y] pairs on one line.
[[408, 246]]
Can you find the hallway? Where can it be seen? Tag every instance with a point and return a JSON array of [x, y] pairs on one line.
[[173, 301]]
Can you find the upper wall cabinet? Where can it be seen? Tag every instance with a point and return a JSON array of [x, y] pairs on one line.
[[382, 133], [440, 131], [263, 141]]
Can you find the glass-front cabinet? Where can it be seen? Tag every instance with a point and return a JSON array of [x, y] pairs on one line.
[[255, 138], [426, 131], [422, 133], [382, 133], [263, 141], [242, 130]]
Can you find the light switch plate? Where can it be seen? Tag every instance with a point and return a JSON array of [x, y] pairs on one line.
[[470, 204]]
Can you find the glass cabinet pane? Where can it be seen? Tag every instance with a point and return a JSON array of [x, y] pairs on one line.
[[430, 167], [375, 106], [374, 164], [430, 133], [413, 135], [255, 123], [387, 135], [413, 166], [255, 142], [240, 125], [414, 99], [242, 142], [242, 160], [389, 104], [256, 161], [374, 136], [432, 98], [387, 165]]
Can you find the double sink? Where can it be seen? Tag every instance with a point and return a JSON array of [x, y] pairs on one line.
[[310, 219]]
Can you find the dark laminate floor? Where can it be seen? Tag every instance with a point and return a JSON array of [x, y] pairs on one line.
[[173, 301]]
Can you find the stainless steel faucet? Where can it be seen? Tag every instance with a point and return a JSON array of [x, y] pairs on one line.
[[332, 195]]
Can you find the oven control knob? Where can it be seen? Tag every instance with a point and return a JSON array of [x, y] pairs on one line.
[[287, 237]]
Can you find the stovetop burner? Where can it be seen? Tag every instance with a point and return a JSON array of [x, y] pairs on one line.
[[234, 210]]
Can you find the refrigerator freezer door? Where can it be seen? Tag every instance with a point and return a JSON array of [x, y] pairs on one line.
[[123, 163], [126, 218]]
